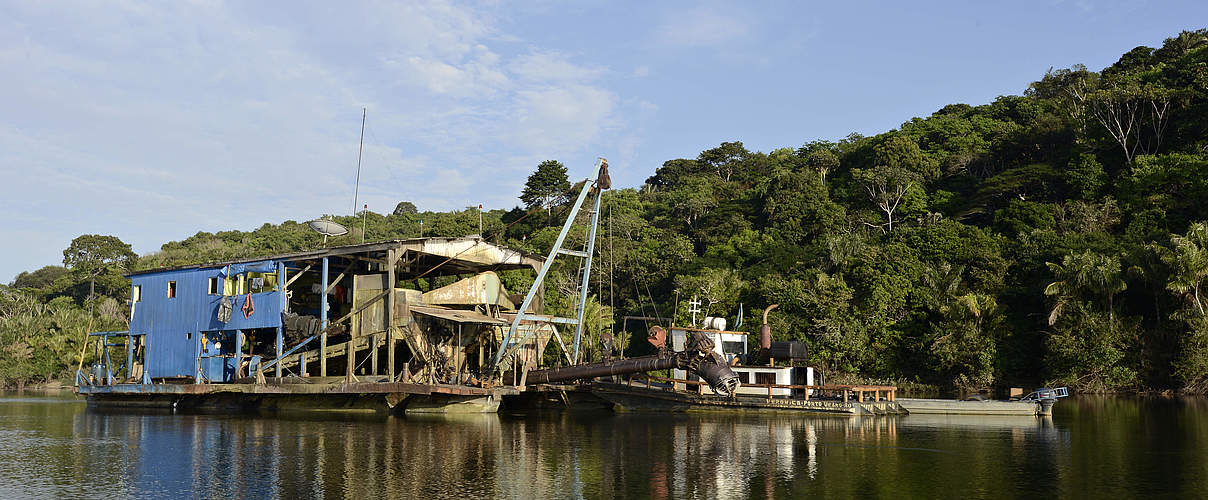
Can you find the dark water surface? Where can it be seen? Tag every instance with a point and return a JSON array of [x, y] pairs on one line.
[[53, 446]]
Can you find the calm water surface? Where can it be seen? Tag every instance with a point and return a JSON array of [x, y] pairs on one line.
[[55, 447]]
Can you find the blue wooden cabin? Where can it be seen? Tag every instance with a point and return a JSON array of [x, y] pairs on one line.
[[188, 340], [178, 308]]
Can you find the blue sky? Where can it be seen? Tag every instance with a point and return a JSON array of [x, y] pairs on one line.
[[152, 121]]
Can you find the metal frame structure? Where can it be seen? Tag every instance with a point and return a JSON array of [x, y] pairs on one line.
[[132, 341], [510, 344]]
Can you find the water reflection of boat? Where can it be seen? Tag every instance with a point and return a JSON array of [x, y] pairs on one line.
[[983, 422]]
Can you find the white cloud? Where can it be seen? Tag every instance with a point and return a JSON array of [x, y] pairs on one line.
[[552, 67], [703, 27], [154, 121], [558, 118]]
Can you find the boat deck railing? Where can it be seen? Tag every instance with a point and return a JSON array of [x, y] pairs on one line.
[[844, 391]]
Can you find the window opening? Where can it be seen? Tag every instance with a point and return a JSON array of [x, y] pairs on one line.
[[213, 288], [136, 294], [733, 347], [261, 282], [171, 289]]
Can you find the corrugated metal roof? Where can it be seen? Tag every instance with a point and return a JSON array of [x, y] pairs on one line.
[[457, 315], [347, 250]]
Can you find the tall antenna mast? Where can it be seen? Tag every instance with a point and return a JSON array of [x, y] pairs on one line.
[[356, 191]]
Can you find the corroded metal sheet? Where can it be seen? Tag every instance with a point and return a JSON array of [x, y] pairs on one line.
[[483, 288], [472, 250], [457, 315]]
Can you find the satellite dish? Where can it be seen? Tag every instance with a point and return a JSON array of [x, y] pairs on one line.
[[327, 227]]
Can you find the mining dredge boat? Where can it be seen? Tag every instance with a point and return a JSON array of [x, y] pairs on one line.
[[258, 334]]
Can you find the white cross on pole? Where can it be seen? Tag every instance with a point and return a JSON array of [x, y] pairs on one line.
[[694, 307]]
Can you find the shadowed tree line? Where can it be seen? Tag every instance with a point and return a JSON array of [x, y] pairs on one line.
[[1056, 236]]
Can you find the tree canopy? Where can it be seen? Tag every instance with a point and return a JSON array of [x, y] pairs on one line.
[[1056, 236]]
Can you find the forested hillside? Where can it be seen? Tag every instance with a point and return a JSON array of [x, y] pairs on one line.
[[1055, 236]]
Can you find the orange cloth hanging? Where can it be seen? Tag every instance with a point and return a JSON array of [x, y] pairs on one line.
[[248, 307]]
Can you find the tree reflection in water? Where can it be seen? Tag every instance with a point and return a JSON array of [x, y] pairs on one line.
[[1092, 447]]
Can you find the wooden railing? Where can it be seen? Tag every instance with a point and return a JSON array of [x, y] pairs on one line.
[[847, 392]]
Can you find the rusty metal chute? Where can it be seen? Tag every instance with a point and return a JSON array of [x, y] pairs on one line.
[[457, 315]]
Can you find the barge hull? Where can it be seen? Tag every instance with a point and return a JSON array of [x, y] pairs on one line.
[[276, 395], [628, 398], [989, 407]]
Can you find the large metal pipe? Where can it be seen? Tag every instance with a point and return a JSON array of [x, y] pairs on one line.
[[707, 366], [601, 369], [765, 331]]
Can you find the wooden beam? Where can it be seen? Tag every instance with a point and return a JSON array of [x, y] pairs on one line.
[[380, 262], [373, 355], [298, 275], [391, 296], [331, 286], [351, 359]]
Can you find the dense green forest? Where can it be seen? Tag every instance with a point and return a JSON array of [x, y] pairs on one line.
[[1052, 237]]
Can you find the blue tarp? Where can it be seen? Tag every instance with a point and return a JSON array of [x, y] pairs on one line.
[[267, 266]]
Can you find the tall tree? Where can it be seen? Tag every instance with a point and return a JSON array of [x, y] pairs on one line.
[[546, 186], [1189, 262], [92, 255], [888, 188], [1087, 273], [405, 207], [823, 161]]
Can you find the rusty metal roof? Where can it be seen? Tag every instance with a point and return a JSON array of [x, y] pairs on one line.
[[458, 315], [452, 255]]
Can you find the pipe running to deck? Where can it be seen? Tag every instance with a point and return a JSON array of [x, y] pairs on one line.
[[719, 376]]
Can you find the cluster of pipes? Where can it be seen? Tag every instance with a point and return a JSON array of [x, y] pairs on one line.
[[698, 358]]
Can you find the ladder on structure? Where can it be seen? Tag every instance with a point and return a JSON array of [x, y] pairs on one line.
[[513, 340]]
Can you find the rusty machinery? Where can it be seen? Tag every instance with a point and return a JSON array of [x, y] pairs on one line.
[[698, 358]]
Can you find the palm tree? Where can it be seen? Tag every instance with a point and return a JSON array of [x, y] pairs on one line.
[[1090, 273], [1189, 263], [944, 280]]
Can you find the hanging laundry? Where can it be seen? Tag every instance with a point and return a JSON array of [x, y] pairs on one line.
[[224, 309], [257, 283], [248, 307]]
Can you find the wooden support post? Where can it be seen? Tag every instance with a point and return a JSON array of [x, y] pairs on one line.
[[391, 296], [845, 395], [860, 395], [373, 354], [406, 375], [323, 321], [807, 393], [351, 357], [457, 354], [238, 353], [876, 395], [280, 329], [129, 356]]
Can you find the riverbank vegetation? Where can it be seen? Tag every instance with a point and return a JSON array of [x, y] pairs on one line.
[[1056, 236]]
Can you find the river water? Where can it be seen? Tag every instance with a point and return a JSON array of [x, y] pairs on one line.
[[56, 447]]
